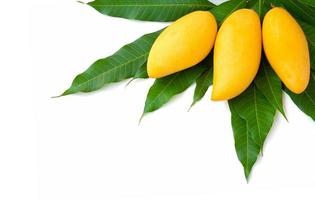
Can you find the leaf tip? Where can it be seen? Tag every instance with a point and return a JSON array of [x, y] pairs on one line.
[[81, 2], [140, 120]]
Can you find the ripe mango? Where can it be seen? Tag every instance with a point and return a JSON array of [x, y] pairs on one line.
[[286, 48], [183, 44], [237, 54]]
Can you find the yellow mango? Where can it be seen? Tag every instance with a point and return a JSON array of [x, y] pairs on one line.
[[237, 54], [286, 48], [183, 44]]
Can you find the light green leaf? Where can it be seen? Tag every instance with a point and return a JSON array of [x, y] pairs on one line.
[[122, 65], [309, 31], [306, 100], [300, 10], [270, 85], [246, 148], [150, 10], [164, 89], [222, 11], [259, 114], [204, 81]]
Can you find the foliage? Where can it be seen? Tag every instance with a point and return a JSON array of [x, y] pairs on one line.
[[252, 113]]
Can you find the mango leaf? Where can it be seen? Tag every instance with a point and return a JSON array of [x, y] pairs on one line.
[[142, 72], [122, 65], [259, 114], [222, 11], [310, 34], [308, 2], [202, 84], [246, 148], [300, 10], [306, 100], [164, 89], [270, 85], [262, 7], [150, 10]]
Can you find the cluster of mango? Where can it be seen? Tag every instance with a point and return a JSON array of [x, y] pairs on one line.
[[237, 49]]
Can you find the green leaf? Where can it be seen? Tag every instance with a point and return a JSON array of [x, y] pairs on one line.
[[222, 11], [270, 85], [309, 31], [164, 89], [306, 100], [150, 10], [204, 81], [246, 148], [259, 114], [308, 2], [262, 7], [300, 10], [142, 72], [122, 65]]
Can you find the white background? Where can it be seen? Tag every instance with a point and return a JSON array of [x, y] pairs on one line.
[[90, 147]]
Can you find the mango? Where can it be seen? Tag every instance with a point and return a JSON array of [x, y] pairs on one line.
[[286, 49], [237, 54], [183, 44]]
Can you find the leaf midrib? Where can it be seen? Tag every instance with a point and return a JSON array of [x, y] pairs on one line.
[[271, 88], [154, 5], [108, 71], [256, 114], [161, 92]]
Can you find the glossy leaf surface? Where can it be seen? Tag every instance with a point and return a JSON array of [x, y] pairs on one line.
[[246, 148], [122, 65], [150, 10], [259, 114]]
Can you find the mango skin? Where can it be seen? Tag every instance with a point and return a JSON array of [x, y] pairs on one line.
[[237, 54], [286, 48], [183, 44]]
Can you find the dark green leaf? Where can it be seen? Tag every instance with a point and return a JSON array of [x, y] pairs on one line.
[[222, 11], [246, 148], [122, 65], [309, 31], [259, 114], [142, 72], [306, 100], [308, 2], [270, 85], [300, 10], [166, 88], [262, 7], [204, 81], [150, 10]]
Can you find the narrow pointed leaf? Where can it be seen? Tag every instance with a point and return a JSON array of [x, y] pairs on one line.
[[164, 89], [122, 65], [259, 114], [309, 31], [306, 100], [222, 11], [150, 10], [270, 86], [204, 81], [246, 148], [300, 10]]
